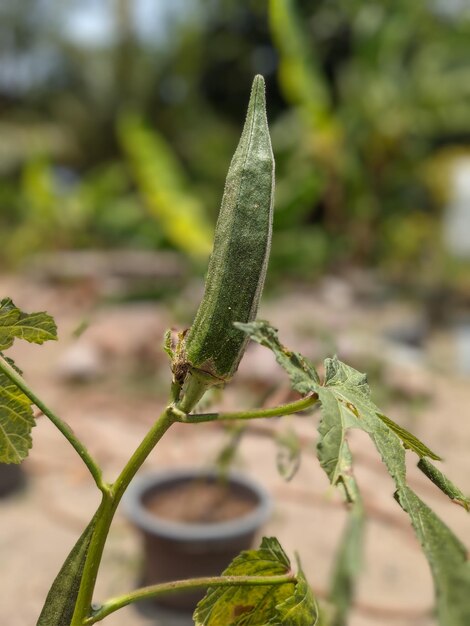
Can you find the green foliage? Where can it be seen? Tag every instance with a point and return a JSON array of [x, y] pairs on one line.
[[161, 182], [16, 415], [447, 557], [301, 372], [444, 484], [288, 604], [16, 422], [346, 403], [60, 602], [364, 80], [33, 327], [408, 440], [365, 97]]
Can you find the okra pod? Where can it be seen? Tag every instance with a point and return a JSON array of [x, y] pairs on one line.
[[213, 347]]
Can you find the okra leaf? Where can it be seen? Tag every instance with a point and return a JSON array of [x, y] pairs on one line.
[[409, 441], [60, 602], [332, 448], [298, 609], [444, 484], [346, 403], [15, 324], [301, 372], [447, 557], [347, 566], [349, 389], [16, 415], [287, 603], [16, 422]]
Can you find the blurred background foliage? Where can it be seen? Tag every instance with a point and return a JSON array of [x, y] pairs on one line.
[[118, 120]]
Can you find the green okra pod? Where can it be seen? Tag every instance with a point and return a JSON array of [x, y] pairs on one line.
[[213, 347]]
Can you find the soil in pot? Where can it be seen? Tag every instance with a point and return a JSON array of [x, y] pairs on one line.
[[200, 502]]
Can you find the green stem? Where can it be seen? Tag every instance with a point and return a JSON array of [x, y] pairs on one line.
[[64, 428], [180, 585], [277, 411], [106, 513], [112, 498], [150, 440]]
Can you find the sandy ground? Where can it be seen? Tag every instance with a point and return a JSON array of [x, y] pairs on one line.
[[39, 525]]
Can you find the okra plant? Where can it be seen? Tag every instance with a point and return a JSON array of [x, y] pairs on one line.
[[260, 587]]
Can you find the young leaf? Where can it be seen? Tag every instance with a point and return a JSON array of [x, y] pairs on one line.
[[16, 422], [447, 558], [60, 602], [33, 327], [289, 603], [301, 372]]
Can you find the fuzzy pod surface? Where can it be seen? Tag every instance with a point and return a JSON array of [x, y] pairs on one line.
[[242, 241]]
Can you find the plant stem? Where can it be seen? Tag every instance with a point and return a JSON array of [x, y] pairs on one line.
[[62, 426], [154, 591], [283, 409], [150, 440], [106, 513]]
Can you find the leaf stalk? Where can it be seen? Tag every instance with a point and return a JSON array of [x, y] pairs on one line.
[[154, 591]]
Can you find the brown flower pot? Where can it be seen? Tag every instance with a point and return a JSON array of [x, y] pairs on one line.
[[12, 479], [187, 546]]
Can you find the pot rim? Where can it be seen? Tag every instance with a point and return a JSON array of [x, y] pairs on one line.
[[136, 512]]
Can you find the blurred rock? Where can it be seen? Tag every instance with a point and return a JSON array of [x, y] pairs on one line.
[[82, 362], [412, 331]]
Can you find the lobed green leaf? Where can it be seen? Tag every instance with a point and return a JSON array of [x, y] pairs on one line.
[[33, 327], [300, 371], [290, 603], [16, 422], [298, 609]]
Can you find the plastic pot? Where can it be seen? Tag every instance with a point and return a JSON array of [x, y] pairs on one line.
[[12, 479], [174, 550]]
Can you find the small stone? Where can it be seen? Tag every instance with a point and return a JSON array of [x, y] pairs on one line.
[[82, 362]]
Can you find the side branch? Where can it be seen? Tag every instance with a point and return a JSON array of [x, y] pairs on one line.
[[278, 411], [64, 428], [183, 585]]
